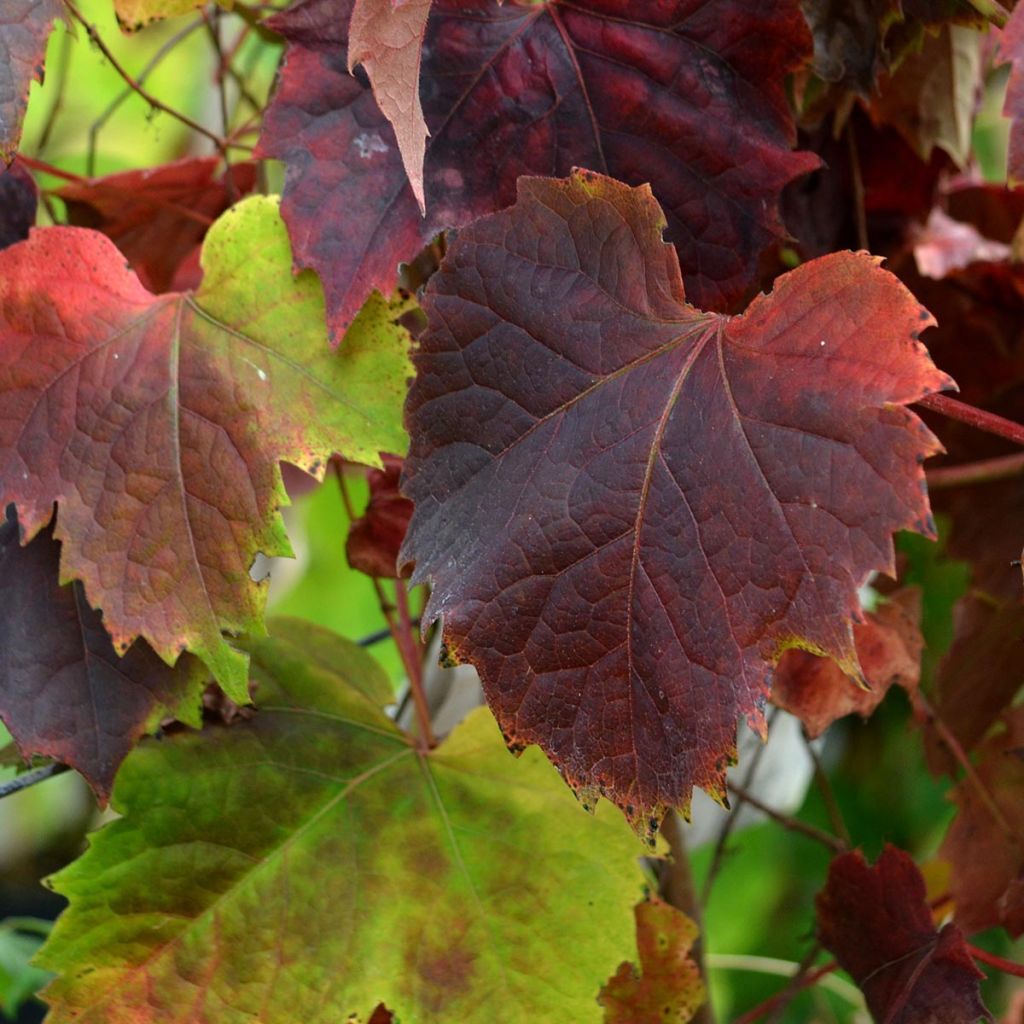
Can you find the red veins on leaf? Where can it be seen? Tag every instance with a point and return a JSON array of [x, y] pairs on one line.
[[64, 692], [376, 536], [628, 508], [158, 216], [889, 644], [876, 922], [685, 95], [24, 29]]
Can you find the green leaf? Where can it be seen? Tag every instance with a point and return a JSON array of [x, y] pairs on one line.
[[20, 937], [309, 863]]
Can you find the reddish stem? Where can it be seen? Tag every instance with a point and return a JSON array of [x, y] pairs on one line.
[[1006, 966], [964, 413], [762, 1009], [982, 472]]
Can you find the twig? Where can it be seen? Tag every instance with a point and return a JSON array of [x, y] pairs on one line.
[[678, 889], [155, 103], [828, 796], [793, 824], [982, 472], [794, 986], [979, 418], [16, 785], [812, 978], [63, 60], [1006, 966], [858, 190]]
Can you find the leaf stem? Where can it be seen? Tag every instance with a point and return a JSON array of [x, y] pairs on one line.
[[983, 471], [810, 978], [827, 793], [834, 843], [1006, 966], [979, 418], [16, 785]]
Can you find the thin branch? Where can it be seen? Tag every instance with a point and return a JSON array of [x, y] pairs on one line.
[[794, 986], [152, 100], [793, 824], [828, 796], [16, 785], [811, 978], [858, 190], [57, 106], [1006, 966], [979, 418], [982, 472]]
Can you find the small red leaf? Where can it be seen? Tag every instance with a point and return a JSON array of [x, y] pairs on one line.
[[876, 922], [376, 536], [64, 692], [889, 645], [628, 508]]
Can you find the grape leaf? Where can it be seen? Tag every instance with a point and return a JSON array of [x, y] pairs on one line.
[[158, 216], [375, 538], [64, 692], [876, 922], [24, 29], [1011, 49], [628, 508], [387, 39], [286, 848], [888, 646], [135, 14], [686, 96], [987, 852], [19, 199], [157, 423], [667, 987]]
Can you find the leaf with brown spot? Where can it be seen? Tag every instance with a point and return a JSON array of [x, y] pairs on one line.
[[628, 508], [877, 923], [985, 843], [685, 95], [889, 647], [24, 29], [64, 692], [287, 845], [667, 987]]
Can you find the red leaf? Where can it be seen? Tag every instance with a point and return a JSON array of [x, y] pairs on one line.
[[386, 37], [667, 987], [375, 537], [1011, 48], [686, 95], [19, 198], [24, 29], [985, 843], [877, 924], [158, 216], [629, 508], [64, 692], [889, 646]]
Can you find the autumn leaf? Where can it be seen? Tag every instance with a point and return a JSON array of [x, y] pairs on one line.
[[286, 847], [888, 646], [64, 692], [157, 423], [1011, 49], [24, 29], [158, 216], [387, 39], [877, 923], [667, 987], [985, 843], [628, 509], [374, 539], [19, 198], [135, 14], [689, 98]]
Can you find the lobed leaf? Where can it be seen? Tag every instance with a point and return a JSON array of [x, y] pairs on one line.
[[627, 508], [157, 423], [309, 864], [687, 97]]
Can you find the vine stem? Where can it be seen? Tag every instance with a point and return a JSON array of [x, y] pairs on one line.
[[1006, 966], [979, 418], [772, 1002], [402, 631], [981, 472], [92, 32], [20, 782], [834, 843]]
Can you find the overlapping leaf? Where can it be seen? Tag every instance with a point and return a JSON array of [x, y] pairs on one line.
[[263, 873], [877, 923], [64, 692], [628, 508], [1011, 48], [375, 538], [24, 29], [157, 423], [682, 95], [135, 14], [18, 201]]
